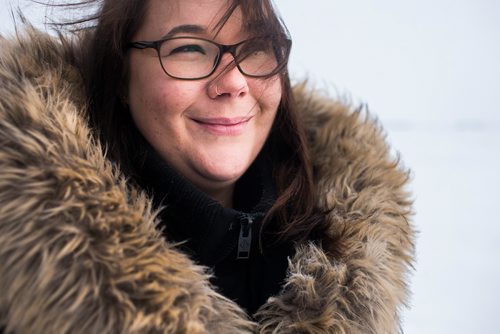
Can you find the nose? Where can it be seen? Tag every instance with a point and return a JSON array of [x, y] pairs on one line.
[[229, 81]]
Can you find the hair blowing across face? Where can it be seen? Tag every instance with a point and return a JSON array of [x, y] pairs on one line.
[[103, 66]]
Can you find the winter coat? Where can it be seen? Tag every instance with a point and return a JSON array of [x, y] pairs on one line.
[[80, 253]]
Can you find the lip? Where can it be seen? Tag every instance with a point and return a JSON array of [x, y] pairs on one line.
[[223, 126]]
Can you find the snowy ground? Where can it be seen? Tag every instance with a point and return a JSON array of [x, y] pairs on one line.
[[430, 71]]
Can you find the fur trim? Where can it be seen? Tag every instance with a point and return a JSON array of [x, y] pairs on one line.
[[355, 283], [80, 251]]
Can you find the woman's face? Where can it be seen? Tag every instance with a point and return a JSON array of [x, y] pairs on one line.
[[209, 130]]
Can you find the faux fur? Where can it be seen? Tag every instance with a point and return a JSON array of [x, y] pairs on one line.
[[80, 251]]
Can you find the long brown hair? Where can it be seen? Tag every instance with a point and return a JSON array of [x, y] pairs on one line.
[[104, 70]]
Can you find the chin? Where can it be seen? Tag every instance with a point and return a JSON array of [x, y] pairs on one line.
[[223, 176], [225, 173]]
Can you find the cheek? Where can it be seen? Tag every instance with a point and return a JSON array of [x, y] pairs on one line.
[[153, 95], [268, 94], [143, 85]]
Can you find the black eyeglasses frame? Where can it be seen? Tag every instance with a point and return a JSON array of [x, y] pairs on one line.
[[223, 48]]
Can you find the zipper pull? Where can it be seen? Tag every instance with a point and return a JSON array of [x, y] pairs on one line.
[[245, 239]]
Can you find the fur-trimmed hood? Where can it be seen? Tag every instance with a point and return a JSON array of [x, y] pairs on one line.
[[79, 250]]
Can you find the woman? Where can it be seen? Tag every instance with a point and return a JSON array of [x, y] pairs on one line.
[[276, 211]]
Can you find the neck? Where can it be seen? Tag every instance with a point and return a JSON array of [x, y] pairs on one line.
[[223, 195]]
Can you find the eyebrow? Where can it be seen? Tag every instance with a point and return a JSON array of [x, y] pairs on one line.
[[186, 28]]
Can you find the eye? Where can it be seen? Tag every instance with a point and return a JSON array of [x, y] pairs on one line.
[[188, 48], [256, 48]]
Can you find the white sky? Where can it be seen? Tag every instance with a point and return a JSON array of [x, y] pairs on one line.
[[422, 60], [430, 71]]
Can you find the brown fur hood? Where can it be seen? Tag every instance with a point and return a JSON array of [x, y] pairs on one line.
[[80, 253]]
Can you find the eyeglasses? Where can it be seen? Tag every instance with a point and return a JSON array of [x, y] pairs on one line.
[[192, 58]]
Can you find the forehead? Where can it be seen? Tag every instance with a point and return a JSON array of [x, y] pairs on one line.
[[163, 16]]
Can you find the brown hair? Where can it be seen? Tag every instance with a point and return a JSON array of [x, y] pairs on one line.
[[104, 71]]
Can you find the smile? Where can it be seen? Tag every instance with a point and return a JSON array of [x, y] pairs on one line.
[[223, 126]]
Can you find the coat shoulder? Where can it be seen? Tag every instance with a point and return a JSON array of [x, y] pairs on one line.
[[79, 247], [356, 280]]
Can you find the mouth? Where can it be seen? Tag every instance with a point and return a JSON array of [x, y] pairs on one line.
[[223, 126]]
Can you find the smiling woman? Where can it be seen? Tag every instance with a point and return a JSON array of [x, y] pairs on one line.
[[277, 210]]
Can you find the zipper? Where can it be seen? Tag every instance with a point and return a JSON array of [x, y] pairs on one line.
[[245, 238]]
